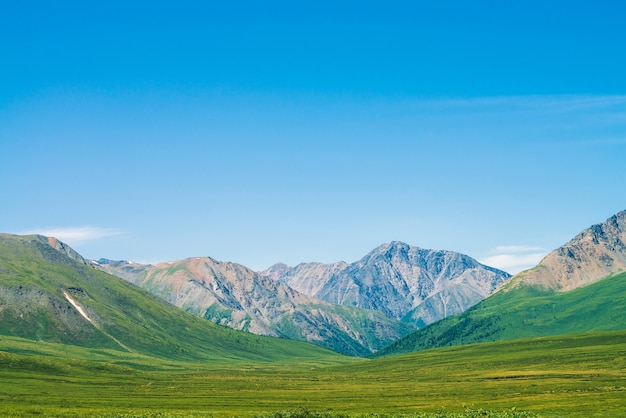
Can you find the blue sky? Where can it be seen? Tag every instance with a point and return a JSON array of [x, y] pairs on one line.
[[260, 132]]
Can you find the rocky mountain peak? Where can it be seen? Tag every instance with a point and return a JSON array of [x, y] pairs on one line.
[[591, 255], [392, 246], [390, 249], [397, 278], [275, 271], [61, 247]]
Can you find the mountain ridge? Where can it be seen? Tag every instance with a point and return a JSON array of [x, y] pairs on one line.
[[591, 255], [48, 294], [405, 282], [580, 286], [233, 295]]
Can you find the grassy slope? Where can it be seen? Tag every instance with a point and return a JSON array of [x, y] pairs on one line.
[[574, 375], [526, 312], [33, 276]]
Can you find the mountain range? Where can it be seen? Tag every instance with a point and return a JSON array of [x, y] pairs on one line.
[[49, 293], [578, 287], [409, 283], [355, 308], [233, 295]]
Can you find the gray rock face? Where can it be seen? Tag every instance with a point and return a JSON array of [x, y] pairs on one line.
[[235, 296], [307, 278], [404, 282], [275, 271], [353, 308], [590, 256]]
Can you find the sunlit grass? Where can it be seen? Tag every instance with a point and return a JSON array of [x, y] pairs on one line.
[[579, 375]]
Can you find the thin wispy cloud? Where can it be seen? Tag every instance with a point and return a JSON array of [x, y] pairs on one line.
[[514, 258], [517, 249], [73, 235]]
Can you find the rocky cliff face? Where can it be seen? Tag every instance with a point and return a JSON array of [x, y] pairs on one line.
[[592, 255], [275, 271], [61, 247], [235, 296], [404, 282], [307, 278]]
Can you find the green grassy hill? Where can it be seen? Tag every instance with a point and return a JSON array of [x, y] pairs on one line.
[[39, 286], [526, 311]]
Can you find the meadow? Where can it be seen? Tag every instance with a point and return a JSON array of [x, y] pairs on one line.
[[579, 375]]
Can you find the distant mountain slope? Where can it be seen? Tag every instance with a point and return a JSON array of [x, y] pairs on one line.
[[275, 271], [413, 284], [306, 278], [592, 255], [233, 295], [577, 287], [47, 293]]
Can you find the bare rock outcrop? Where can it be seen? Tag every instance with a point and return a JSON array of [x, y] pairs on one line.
[[590, 256]]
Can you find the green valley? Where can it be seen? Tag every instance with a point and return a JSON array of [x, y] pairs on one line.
[[575, 375], [76, 341]]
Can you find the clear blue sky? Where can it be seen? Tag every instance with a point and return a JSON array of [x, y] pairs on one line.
[[260, 132]]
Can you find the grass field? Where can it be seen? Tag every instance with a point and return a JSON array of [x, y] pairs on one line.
[[579, 375]]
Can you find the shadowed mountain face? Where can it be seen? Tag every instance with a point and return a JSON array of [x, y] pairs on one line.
[[235, 296], [578, 287], [49, 293], [413, 284]]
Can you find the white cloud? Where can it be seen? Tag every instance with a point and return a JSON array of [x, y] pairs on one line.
[[514, 258], [73, 235], [517, 249]]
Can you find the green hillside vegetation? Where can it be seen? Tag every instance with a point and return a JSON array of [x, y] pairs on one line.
[[34, 278], [523, 312], [575, 375]]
